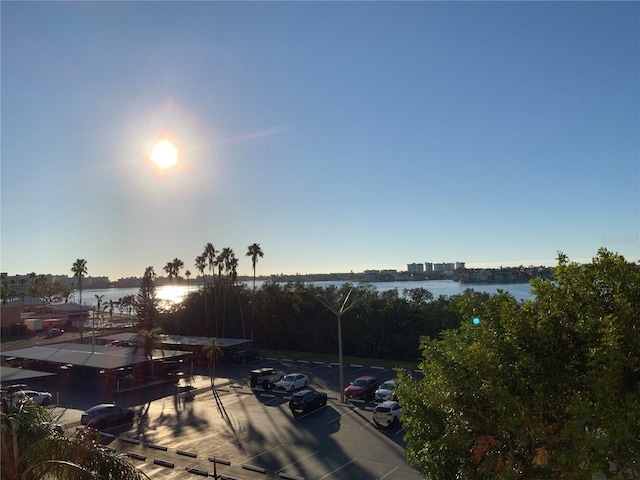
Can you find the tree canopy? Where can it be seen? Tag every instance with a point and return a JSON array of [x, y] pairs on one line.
[[33, 449], [545, 389]]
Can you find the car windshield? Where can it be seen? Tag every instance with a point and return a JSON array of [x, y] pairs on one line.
[[389, 384], [382, 409], [360, 382], [289, 378]]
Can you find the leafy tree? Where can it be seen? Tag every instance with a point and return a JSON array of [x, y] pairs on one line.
[[7, 292], [32, 449], [79, 269], [146, 302], [545, 389]]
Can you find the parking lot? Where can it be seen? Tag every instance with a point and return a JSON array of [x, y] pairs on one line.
[[246, 433]]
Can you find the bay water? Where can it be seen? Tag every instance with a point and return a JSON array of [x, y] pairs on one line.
[[175, 293]]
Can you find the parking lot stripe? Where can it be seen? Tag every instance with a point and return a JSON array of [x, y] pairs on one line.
[[339, 468], [253, 468], [266, 451], [197, 471], [387, 474], [297, 461], [290, 477]]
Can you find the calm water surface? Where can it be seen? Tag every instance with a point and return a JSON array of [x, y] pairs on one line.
[[174, 293]]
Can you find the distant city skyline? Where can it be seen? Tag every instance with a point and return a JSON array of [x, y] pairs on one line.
[[340, 136], [195, 274]]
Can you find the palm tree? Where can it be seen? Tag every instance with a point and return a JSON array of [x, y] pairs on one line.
[[32, 286], [31, 449], [209, 255], [188, 275], [213, 352], [149, 341], [168, 268], [177, 265], [99, 300], [254, 251], [230, 265], [127, 302], [23, 293], [222, 262], [79, 269], [201, 264]]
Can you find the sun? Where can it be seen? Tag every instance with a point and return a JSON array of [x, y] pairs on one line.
[[164, 154]]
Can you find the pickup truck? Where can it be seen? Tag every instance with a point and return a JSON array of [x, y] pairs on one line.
[[265, 377]]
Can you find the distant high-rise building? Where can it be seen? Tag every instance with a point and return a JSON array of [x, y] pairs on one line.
[[459, 265], [415, 268], [428, 267]]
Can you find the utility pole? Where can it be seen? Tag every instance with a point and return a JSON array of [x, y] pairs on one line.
[[338, 313]]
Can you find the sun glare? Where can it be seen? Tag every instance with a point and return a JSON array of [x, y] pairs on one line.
[[164, 154]]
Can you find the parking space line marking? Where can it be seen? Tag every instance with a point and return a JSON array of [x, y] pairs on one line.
[[386, 475], [339, 468], [260, 454], [297, 461], [366, 425]]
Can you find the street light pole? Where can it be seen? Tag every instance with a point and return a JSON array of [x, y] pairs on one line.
[[338, 314]]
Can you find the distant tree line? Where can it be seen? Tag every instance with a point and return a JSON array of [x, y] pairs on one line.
[[292, 317]]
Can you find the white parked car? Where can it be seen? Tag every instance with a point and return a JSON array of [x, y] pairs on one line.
[[387, 413], [385, 391], [292, 382], [41, 398]]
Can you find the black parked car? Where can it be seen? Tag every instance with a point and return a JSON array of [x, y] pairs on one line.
[[307, 399], [105, 415], [241, 356]]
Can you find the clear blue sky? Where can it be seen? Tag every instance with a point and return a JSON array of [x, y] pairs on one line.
[[340, 136]]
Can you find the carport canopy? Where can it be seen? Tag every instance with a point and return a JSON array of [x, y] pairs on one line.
[[94, 356], [10, 375], [181, 340]]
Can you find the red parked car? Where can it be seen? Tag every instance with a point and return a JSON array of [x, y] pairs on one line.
[[362, 387]]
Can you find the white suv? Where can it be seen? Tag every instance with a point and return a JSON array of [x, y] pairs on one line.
[[387, 413]]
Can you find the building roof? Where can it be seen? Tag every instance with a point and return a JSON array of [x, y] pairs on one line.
[[179, 340], [11, 375], [97, 356]]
